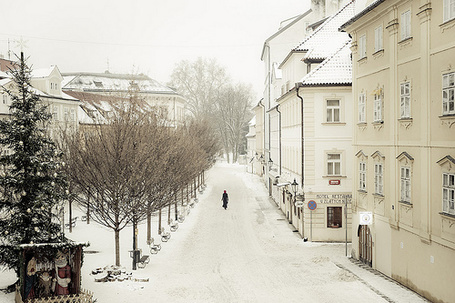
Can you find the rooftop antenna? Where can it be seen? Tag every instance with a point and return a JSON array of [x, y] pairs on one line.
[[21, 43], [107, 65]]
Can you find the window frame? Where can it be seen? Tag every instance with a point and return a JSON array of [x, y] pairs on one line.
[[363, 176], [362, 43], [377, 108], [334, 216], [334, 163], [405, 184], [448, 10], [333, 110], [448, 193], [379, 179], [362, 108], [448, 89], [405, 24], [378, 39], [405, 100]]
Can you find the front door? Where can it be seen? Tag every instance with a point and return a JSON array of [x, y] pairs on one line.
[[365, 245]]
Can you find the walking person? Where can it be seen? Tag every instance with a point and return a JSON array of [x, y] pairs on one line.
[[225, 199]]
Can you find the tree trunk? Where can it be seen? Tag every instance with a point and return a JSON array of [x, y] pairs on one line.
[[159, 222], [175, 208], [88, 211], [169, 215], [149, 226], [70, 213], [117, 247]]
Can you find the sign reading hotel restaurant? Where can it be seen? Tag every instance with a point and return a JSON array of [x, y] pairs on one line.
[[333, 198]]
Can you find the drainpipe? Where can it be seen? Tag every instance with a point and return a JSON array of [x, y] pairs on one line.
[[263, 130], [297, 86], [279, 132]]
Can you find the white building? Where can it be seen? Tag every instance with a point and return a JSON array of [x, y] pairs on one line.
[[164, 99], [46, 83]]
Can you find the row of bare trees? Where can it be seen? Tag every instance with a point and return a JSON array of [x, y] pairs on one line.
[[125, 170], [212, 96]]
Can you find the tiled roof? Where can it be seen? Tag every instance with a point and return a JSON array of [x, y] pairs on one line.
[[335, 70], [321, 43]]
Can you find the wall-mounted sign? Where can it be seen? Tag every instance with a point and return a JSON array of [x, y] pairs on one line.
[[334, 182], [366, 217], [334, 198]]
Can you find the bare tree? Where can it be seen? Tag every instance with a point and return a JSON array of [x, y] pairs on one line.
[[233, 113], [213, 99], [200, 82], [107, 166]]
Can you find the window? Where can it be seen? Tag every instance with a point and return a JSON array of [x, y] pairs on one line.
[[449, 10], [448, 91], [66, 113], [73, 114], [378, 179], [362, 176], [55, 113], [333, 110], [405, 25], [378, 39], [405, 100], [362, 46], [448, 193], [5, 99], [377, 108], [334, 164], [334, 217], [405, 177], [362, 108]]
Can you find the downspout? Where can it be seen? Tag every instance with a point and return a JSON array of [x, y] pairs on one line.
[[263, 135], [297, 86], [279, 132]]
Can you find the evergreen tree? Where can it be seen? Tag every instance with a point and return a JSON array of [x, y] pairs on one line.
[[32, 184]]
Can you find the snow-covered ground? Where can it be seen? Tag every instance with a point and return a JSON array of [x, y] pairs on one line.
[[246, 253]]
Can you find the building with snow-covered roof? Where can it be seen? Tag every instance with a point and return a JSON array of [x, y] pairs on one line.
[[46, 84], [403, 55], [162, 98], [280, 48], [310, 131]]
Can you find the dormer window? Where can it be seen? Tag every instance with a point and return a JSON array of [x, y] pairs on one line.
[[98, 83]]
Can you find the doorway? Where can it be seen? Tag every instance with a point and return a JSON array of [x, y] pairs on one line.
[[365, 245]]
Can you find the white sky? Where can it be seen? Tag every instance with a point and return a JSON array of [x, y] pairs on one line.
[[147, 36]]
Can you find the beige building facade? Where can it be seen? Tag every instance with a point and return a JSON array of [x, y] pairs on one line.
[[404, 142]]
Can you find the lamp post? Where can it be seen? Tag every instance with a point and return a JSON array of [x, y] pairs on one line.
[[294, 187], [270, 163]]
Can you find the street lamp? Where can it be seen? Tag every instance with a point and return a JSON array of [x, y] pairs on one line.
[[270, 163], [294, 187]]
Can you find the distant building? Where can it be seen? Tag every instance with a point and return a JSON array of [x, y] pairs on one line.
[[46, 83], [162, 98]]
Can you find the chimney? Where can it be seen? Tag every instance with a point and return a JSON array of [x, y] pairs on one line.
[[318, 8]]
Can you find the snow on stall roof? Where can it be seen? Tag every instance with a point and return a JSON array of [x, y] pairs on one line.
[[337, 69], [320, 44]]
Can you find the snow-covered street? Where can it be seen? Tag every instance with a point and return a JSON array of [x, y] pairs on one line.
[[247, 253]]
